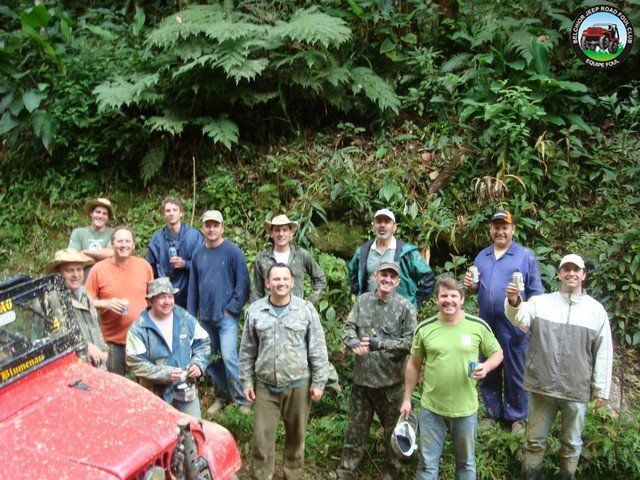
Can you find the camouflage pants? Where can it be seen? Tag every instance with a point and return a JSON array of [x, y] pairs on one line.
[[386, 403]]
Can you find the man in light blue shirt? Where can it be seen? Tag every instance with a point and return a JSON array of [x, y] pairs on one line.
[[503, 389]]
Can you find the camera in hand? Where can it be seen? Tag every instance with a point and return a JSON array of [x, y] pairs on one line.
[[376, 342]]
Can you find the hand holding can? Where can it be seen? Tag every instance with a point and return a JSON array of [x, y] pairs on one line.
[[518, 281], [472, 368], [475, 273], [173, 251], [126, 307]]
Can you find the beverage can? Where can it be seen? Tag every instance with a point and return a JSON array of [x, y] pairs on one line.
[[518, 281], [475, 274], [472, 368], [126, 307], [172, 252]]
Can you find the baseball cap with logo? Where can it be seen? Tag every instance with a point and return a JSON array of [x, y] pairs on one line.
[[160, 285], [502, 216], [385, 212], [213, 215], [572, 258]]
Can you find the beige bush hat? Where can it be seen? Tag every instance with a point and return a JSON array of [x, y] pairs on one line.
[[99, 202], [68, 255], [280, 220]]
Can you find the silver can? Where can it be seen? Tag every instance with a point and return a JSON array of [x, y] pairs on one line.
[[518, 281], [126, 307], [475, 274]]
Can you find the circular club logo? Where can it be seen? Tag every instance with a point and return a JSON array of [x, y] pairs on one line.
[[602, 36]]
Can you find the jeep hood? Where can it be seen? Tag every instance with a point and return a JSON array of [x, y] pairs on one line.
[[69, 420]]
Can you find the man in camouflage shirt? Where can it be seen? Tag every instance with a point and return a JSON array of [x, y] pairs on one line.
[[299, 260], [379, 331], [283, 367]]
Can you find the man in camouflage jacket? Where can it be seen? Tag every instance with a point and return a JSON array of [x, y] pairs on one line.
[[379, 331], [299, 260], [283, 367]]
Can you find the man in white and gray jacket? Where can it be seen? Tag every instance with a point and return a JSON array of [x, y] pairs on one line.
[[568, 364]]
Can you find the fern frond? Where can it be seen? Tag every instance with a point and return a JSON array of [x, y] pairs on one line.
[[224, 30], [151, 163], [220, 130], [248, 70], [168, 123], [121, 92], [375, 88], [456, 62], [520, 41], [312, 27]]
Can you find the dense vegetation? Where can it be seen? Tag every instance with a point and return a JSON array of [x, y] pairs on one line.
[[328, 110]]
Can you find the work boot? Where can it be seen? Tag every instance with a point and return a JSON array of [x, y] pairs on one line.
[[517, 427], [568, 467], [531, 473], [216, 407]]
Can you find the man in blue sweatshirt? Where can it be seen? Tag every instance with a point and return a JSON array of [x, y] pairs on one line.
[[218, 289]]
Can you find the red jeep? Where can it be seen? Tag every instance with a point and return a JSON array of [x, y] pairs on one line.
[[61, 418], [603, 35]]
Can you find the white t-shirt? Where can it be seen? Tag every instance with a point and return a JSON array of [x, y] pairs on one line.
[[166, 329], [282, 257]]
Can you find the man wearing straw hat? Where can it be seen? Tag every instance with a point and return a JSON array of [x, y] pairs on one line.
[[70, 263], [284, 251], [167, 349], [94, 241]]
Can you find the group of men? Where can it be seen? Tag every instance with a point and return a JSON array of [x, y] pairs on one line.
[[174, 316]]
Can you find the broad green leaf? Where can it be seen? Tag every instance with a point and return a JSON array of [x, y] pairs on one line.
[[44, 127], [578, 122], [101, 32], [32, 100], [410, 38], [387, 46], [16, 106], [518, 64], [540, 56], [138, 21], [355, 7], [556, 120], [66, 32], [36, 17], [7, 123], [572, 86]]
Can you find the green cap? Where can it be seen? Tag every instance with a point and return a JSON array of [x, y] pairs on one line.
[[160, 285], [387, 265]]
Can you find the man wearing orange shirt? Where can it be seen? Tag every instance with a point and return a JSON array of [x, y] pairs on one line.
[[118, 286]]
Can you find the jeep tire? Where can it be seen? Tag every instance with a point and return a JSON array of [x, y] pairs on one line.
[[604, 42], [613, 47]]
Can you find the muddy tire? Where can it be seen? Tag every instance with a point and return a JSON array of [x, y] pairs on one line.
[[583, 44], [604, 43], [613, 47]]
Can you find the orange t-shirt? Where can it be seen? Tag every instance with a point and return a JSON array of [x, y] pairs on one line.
[[107, 280]]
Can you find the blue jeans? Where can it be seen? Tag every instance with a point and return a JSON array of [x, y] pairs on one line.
[[224, 367], [433, 430]]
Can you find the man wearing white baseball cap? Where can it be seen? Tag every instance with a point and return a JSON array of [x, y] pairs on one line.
[[569, 363], [416, 277]]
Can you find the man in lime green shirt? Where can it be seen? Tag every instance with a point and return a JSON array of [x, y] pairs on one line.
[[446, 344]]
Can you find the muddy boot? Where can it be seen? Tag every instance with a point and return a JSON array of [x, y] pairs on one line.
[[568, 467], [532, 465]]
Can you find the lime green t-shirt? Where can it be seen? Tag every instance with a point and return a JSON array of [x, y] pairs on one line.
[[446, 388]]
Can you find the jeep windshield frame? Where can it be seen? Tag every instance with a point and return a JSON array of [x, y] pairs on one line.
[[36, 325]]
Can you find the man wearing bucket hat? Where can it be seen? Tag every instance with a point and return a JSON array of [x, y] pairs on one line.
[[300, 261], [218, 289], [378, 331], [95, 240], [416, 277], [167, 349], [70, 263], [569, 363], [505, 398], [448, 346]]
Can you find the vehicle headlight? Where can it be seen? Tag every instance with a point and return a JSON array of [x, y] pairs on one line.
[[154, 473]]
